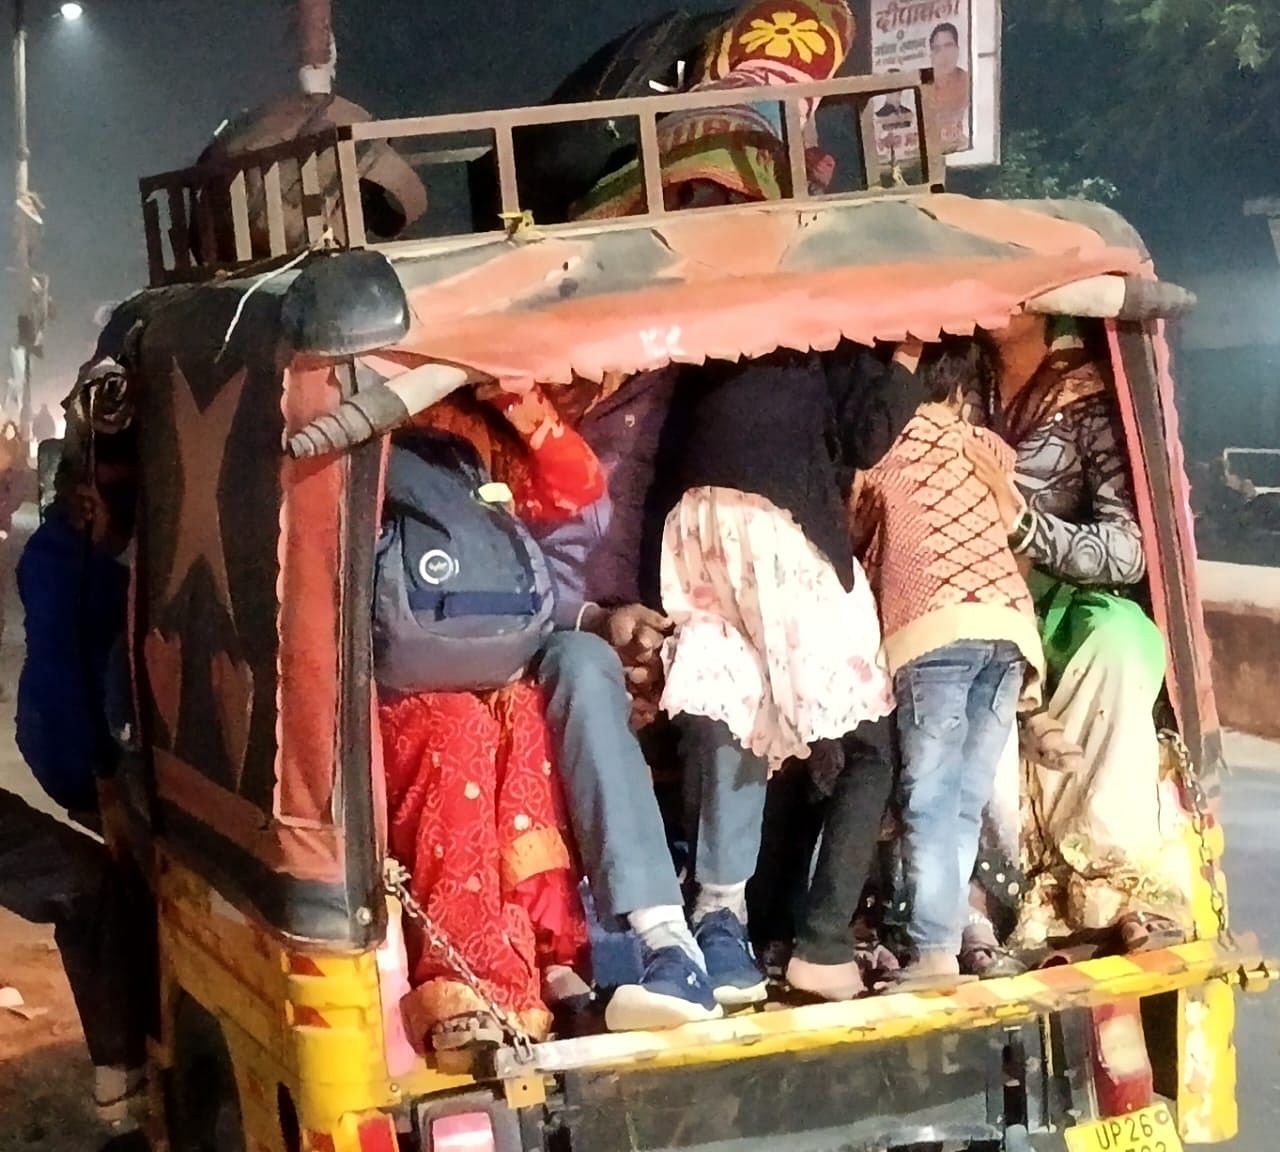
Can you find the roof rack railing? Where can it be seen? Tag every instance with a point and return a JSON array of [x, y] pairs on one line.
[[263, 207]]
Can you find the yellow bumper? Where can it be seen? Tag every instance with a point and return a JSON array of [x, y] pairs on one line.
[[904, 1015]]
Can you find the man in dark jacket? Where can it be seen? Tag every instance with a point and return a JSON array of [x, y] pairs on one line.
[[74, 590]]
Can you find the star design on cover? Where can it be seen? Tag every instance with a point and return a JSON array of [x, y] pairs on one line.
[[202, 441]]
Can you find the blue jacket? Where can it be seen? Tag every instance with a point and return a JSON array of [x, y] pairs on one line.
[[75, 599]]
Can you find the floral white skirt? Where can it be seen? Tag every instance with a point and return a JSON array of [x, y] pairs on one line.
[[766, 638]]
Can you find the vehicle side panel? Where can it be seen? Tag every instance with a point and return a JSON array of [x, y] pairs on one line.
[[1160, 483], [239, 698]]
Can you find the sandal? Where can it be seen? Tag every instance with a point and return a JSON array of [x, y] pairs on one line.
[[988, 960], [1043, 740], [1148, 932], [466, 1030], [876, 962]]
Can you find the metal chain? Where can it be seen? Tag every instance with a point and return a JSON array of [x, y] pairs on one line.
[[1200, 815], [396, 880]]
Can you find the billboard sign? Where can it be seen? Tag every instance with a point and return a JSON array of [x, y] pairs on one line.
[[960, 41]]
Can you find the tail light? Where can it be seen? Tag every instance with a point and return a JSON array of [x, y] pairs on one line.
[[1122, 1076], [463, 1132], [377, 1134]]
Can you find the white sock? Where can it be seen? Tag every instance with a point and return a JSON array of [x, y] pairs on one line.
[[714, 897], [663, 926]]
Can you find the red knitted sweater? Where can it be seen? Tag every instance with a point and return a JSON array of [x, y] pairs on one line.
[[935, 550]]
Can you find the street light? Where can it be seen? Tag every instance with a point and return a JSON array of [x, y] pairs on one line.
[[32, 292]]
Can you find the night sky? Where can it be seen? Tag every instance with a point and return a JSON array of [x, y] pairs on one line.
[[138, 86]]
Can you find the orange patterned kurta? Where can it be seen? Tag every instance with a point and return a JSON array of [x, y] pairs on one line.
[[935, 549], [477, 814]]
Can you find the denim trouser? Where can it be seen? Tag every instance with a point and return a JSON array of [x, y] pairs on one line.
[[607, 783], [725, 788], [956, 708]]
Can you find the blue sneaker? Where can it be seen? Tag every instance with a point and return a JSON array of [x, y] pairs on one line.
[[731, 965], [672, 991]]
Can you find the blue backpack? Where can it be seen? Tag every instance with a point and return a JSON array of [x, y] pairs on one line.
[[462, 595]]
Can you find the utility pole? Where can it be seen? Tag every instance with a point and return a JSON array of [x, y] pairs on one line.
[[22, 222], [319, 56]]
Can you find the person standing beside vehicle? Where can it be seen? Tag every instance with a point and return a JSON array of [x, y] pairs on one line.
[[74, 595], [74, 592]]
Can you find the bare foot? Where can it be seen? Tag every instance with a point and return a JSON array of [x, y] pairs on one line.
[[827, 981]]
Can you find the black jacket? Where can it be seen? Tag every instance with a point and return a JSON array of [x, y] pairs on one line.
[[791, 427]]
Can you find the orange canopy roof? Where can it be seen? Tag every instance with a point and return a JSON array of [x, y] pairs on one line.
[[739, 282]]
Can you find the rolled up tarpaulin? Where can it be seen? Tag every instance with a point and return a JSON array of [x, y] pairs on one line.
[[376, 410], [101, 398], [1115, 298], [558, 164], [392, 193]]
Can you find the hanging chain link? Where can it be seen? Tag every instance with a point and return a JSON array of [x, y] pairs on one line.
[[396, 880], [1200, 815]]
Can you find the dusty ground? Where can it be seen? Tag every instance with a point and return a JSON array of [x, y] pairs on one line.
[[45, 1073], [44, 1069]]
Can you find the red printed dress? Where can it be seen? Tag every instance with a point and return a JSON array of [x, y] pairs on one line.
[[476, 812]]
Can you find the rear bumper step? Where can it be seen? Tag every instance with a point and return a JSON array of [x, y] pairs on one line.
[[901, 1015]]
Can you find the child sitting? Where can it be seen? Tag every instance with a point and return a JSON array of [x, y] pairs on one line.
[[961, 642]]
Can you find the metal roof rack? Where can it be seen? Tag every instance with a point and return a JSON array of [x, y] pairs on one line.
[[226, 217]]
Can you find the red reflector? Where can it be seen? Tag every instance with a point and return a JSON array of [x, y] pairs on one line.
[[1122, 1076], [304, 1017], [303, 966], [462, 1132], [377, 1134]]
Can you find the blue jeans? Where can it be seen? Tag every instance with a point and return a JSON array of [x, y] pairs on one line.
[[956, 710], [609, 789], [607, 783], [725, 788]]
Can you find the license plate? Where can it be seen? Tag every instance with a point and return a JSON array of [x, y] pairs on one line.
[[1151, 1130]]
